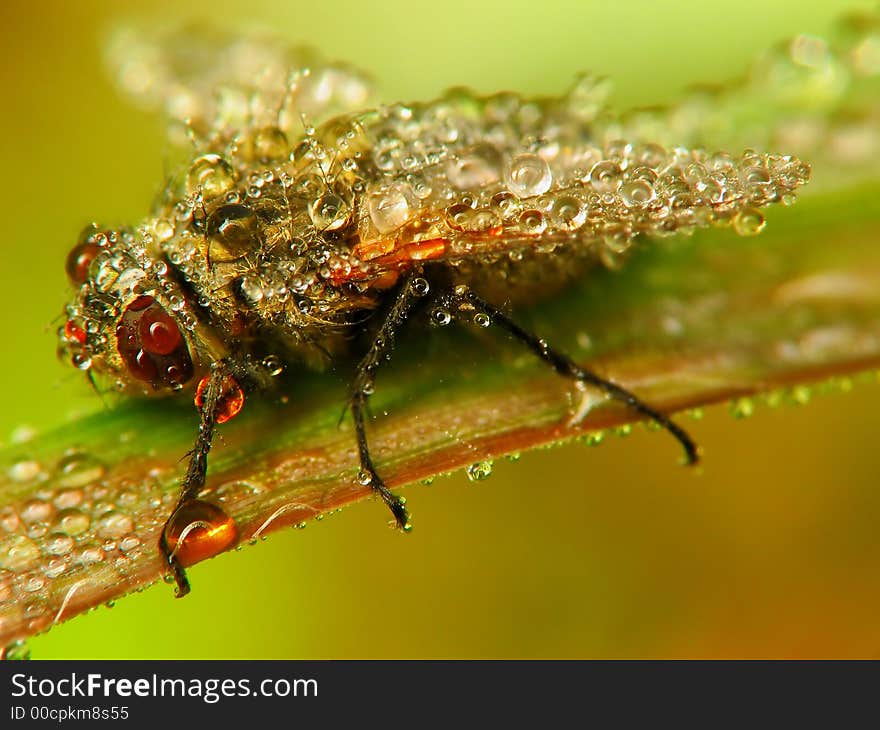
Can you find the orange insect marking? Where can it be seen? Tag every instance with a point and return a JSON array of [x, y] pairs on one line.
[[393, 262], [369, 250]]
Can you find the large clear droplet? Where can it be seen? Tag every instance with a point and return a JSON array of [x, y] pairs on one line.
[[210, 175], [388, 208], [329, 212], [528, 175]]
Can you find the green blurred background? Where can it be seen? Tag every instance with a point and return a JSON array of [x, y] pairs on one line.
[[612, 552]]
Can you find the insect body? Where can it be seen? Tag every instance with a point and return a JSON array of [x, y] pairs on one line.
[[279, 240]]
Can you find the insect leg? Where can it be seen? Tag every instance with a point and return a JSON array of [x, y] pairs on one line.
[[413, 289], [566, 367], [196, 471]]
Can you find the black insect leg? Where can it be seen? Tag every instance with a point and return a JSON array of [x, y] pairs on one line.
[[566, 367], [413, 289], [196, 471]]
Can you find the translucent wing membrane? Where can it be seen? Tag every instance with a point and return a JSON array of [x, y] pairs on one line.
[[217, 84]]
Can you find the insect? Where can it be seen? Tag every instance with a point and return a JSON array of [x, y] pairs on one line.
[[303, 216]]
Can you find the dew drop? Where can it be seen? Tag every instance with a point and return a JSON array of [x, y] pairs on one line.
[[25, 471], [9, 520], [35, 510], [801, 395], [605, 177], [72, 521], [479, 471], [114, 524], [528, 175], [18, 553], [199, 530], [651, 155], [54, 568], [90, 554], [34, 583], [742, 407], [129, 543], [68, 498], [471, 172], [59, 544], [482, 219], [421, 286], [210, 175], [748, 222], [231, 399], [270, 143], [273, 364], [637, 193], [810, 52], [568, 212], [364, 478], [441, 317], [78, 470], [532, 222], [482, 319], [388, 208], [329, 212], [252, 289], [81, 361]]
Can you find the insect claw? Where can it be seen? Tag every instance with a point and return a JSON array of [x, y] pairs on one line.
[[181, 580], [397, 505], [177, 571]]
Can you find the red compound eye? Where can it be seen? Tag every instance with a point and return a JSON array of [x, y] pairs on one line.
[[151, 345], [79, 259]]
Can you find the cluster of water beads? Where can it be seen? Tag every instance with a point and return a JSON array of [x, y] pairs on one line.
[[74, 521]]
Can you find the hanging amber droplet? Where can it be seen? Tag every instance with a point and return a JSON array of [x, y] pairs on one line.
[[231, 398], [199, 530]]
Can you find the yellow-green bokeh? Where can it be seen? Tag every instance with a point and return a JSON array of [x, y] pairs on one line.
[[573, 552]]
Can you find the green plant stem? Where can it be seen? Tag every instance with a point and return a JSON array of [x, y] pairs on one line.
[[688, 322]]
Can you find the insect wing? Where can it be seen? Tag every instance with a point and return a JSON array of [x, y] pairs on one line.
[[469, 178], [213, 85]]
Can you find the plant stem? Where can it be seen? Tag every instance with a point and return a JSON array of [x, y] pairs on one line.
[[687, 323]]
